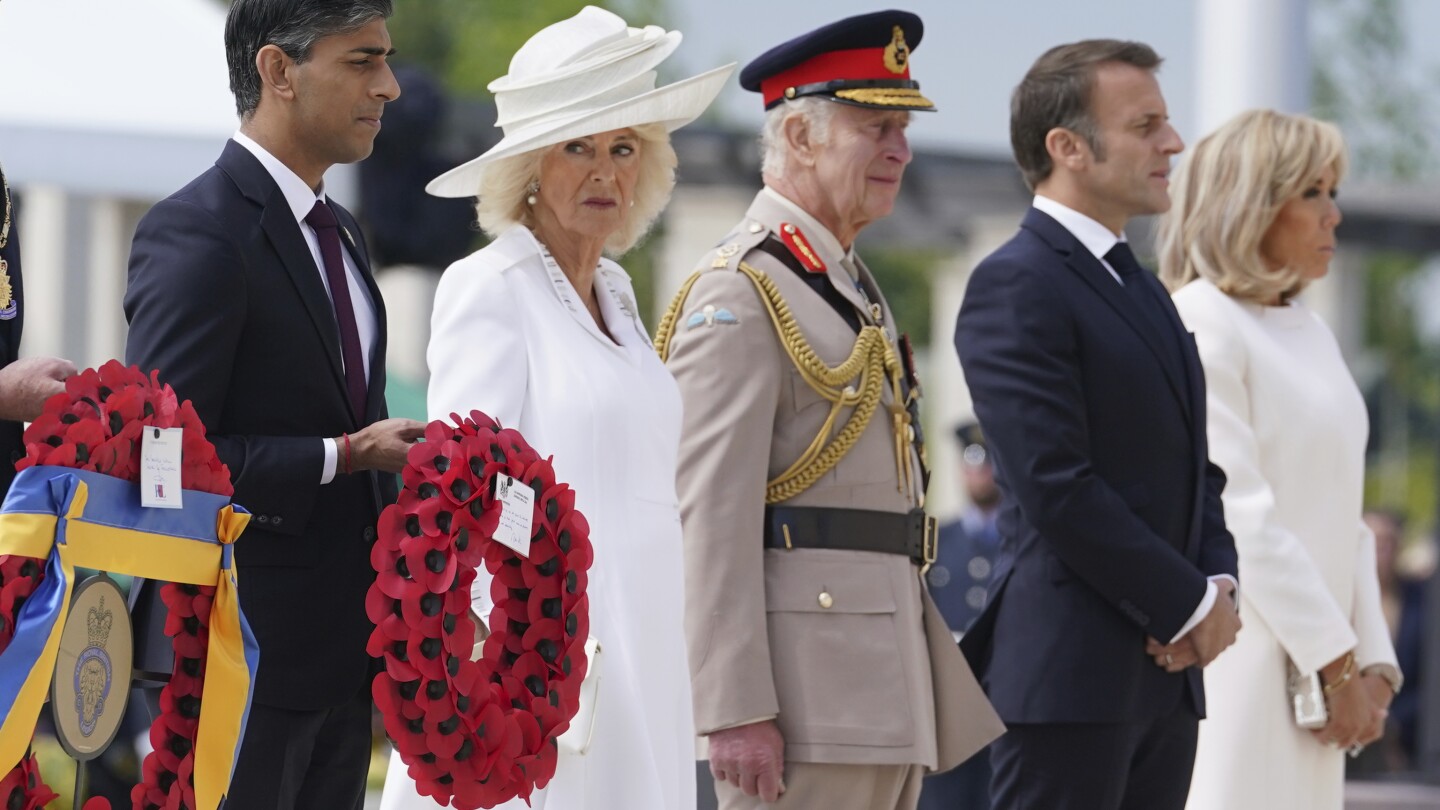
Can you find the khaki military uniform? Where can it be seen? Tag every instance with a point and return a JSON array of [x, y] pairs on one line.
[[845, 649]]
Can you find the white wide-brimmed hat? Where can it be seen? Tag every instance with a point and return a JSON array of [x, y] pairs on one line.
[[589, 74]]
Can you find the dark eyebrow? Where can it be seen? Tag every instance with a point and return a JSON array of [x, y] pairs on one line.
[[373, 51]]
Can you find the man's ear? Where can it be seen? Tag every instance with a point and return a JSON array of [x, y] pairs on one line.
[[276, 70], [1067, 149], [799, 137]]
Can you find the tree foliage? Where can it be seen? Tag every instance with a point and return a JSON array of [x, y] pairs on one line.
[[468, 43], [1363, 82]]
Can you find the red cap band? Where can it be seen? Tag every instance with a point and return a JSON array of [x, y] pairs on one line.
[[855, 64]]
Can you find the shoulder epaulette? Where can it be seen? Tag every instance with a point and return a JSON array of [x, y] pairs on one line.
[[729, 251]]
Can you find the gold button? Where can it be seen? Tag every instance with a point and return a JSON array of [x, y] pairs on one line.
[[789, 92], [910, 432], [826, 600], [756, 227]]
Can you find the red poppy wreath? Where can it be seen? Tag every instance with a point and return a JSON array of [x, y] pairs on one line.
[[478, 733], [96, 425]]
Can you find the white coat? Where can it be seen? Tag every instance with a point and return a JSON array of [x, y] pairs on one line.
[[1288, 426], [512, 339]]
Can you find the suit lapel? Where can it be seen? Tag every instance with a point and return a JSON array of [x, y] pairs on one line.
[[280, 227], [1093, 273]]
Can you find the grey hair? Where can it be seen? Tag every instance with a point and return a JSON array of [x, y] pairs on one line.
[[774, 150], [294, 26]]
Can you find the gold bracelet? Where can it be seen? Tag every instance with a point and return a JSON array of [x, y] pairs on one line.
[[1347, 674]]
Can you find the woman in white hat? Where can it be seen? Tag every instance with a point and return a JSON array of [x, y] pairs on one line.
[[541, 332]]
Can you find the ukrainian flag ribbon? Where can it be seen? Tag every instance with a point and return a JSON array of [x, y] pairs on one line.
[[78, 519]]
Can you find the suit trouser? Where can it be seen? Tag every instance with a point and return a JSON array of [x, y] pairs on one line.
[[1095, 766], [835, 787], [304, 760]]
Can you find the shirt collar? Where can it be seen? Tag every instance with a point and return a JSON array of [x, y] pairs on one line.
[[298, 194], [1096, 238], [811, 227]]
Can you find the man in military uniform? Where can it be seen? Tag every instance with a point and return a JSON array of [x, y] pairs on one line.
[[959, 582], [24, 384], [824, 676]]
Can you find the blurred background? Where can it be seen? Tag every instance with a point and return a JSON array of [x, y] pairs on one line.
[[106, 107]]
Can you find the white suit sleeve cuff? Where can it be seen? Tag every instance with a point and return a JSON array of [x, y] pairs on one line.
[[327, 467]]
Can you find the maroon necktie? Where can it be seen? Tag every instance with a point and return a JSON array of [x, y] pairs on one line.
[[327, 230]]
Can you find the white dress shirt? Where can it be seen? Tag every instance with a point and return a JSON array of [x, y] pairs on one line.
[[301, 199], [1099, 240]]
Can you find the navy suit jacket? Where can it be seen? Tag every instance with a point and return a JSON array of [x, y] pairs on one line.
[[225, 299], [1111, 519]]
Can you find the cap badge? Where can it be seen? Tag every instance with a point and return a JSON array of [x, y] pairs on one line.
[[897, 53]]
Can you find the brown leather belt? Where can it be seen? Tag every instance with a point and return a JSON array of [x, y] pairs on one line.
[[912, 534]]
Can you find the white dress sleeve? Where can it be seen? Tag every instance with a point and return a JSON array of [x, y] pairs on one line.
[[1375, 645], [477, 360], [1278, 577]]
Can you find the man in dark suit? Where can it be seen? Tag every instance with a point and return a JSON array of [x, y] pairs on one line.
[[253, 296], [1116, 577], [24, 384]]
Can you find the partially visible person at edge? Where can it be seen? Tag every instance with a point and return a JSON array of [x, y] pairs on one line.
[[1252, 226], [251, 291], [25, 383], [540, 331], [1403, 586], [824, 675], [959, 582], [1114, 544]]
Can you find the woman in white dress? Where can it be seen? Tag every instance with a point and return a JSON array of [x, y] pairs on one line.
[[542, 333], [1252, 223]]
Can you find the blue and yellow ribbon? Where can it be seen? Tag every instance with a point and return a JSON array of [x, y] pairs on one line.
[[76, 519]]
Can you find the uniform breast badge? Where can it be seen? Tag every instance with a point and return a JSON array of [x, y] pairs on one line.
[[709, 315]]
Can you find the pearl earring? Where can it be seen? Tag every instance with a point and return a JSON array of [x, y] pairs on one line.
[[532, 189]]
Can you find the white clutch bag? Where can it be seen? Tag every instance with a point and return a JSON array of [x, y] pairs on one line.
[[1307, 697], [576, 739]]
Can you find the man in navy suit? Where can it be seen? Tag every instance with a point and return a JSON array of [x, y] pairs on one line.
[[251, 292], [1115, 582]]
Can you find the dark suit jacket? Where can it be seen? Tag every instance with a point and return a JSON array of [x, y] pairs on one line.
[[1112, 518], [225, 299], [11, 447]]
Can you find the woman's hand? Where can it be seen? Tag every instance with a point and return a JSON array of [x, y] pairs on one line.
[[1381, 694], [1352, 712]]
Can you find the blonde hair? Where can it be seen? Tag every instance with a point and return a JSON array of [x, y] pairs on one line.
[[505, 184], [1226, 193]]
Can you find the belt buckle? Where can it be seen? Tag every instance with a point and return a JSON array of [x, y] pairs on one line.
[[930, 543]]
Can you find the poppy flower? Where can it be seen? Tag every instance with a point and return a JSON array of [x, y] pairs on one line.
[[476, 733]]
